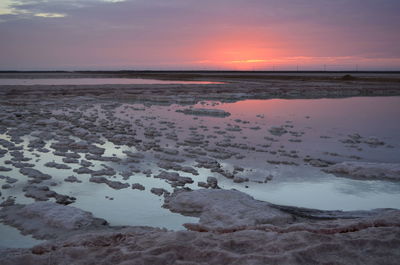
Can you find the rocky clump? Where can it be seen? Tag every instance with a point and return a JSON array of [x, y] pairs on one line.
[[138, 186], [72, 179], [277, 131], [159, 191], [8, 179], [2, 168], [111, 183], [212, 183], [57, 165], [174, 178], [356, 138], [35, 175], [317, 162], [43, 193], [205, 162]]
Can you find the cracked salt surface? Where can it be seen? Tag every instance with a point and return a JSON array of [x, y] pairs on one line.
[[128, 143]]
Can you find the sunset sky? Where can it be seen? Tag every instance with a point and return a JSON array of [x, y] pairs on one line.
[[200, 34]]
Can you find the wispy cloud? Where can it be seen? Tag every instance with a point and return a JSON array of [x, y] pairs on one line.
[[47, 8], [49, 15]]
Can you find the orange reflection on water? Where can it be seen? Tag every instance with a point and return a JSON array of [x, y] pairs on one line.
[[261, 106]]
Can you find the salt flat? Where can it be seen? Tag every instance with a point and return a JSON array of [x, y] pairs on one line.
[[170, 155]]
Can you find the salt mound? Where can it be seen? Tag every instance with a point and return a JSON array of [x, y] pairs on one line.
[[222, 209], [365, 170]]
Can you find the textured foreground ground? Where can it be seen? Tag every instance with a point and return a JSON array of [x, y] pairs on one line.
[[233, 229], [152, 246]]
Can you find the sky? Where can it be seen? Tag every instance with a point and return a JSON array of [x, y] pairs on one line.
[[199, 34]]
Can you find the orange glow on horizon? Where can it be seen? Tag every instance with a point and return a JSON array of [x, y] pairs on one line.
[[246, 64], [240, 51], [252, 50], [249, 61]]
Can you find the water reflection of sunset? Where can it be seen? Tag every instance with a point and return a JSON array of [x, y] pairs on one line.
[[322, 111]]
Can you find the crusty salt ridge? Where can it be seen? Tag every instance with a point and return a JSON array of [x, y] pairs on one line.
[[45, 220], [365, 170], [225, 208], [154, 246], [231, 210]]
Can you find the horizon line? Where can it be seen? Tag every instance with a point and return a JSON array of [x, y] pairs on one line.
[[202, 70]]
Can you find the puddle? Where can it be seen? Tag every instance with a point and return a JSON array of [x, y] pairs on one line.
[[311, 188], [12, 238]]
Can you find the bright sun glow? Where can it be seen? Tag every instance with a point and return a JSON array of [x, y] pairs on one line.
[[240, 51], [249, 61]]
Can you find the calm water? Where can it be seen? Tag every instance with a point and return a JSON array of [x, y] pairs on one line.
[[10, 237], [95, 81]]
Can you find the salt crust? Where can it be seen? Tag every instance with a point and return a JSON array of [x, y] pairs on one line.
[[366, 170]]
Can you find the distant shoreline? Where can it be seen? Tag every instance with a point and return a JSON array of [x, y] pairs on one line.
[[234, 86], [200, 71], [218, 76]]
